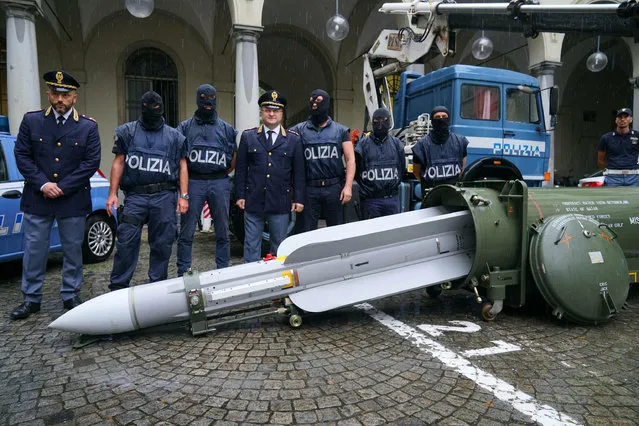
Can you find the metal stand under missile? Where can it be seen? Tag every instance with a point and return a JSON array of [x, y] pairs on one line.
[[202, 323]]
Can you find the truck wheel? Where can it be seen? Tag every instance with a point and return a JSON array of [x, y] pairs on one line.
[[99, 238]]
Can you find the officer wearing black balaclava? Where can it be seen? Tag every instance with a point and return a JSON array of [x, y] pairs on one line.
[[380, 167], [150, 168], [328, 184], [211, 157], [206, 101], [440, 156], [440, 124], [152, 110]]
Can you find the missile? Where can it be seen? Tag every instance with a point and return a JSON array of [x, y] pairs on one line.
[[498, 239], [317, 271]]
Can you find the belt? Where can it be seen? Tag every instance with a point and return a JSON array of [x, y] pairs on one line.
[[382, 196], [620, 172], [323, 182], [152, 188], [207, 176]]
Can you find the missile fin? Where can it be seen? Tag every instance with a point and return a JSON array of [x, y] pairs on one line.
[[383, 284], [349, 238]]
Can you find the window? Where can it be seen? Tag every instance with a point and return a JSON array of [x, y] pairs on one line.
[[151, 69], [522, 107], [480, 102]]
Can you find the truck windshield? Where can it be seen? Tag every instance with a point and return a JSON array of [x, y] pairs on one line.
[[480, 102], [522, 107]]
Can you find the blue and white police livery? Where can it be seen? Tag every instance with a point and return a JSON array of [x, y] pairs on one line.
[[149, 183], [325, 173], [211, 147], [68, 155], [442, 163], [380, 167], [622, 158], [269, 177]]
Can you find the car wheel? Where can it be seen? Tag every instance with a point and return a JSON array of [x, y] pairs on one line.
[[99, 238]]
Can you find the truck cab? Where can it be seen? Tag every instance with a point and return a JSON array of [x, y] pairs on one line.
[[499, 111]]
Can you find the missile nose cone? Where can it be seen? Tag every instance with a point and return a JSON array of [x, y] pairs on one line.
[[105, 314]]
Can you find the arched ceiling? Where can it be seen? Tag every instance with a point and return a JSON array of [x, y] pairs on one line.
[[198, 13]]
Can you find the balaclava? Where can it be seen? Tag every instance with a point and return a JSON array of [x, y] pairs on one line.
[[204, 94], [381, 124], [440, 131], [151, 118], [319, 115]]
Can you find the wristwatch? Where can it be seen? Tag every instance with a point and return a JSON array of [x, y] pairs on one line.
[[185, 197]]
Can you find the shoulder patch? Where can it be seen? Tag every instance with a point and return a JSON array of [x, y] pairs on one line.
[[294, 132], [88, 118]]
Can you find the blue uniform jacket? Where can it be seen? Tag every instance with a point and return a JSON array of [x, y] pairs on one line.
[[380, 166], [323, 148], [622, 151], [210, 145], [68, 155], [441, 163], [269, 177], [152, 156]]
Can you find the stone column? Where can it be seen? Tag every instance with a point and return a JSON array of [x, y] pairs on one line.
[[635, 100], [247, 85], [23, 80], [545, 74]]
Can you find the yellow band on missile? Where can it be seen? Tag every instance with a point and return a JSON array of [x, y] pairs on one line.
[[293, 279], [280, 258]]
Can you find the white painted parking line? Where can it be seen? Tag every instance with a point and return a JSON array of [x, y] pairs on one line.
[[520, 401], [500, 347]]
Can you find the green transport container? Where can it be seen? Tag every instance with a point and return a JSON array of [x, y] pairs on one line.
[[577, 247]]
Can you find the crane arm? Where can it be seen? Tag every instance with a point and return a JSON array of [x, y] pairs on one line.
[[432, 22]]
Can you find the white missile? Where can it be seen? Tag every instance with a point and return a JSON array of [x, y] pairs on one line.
[[317, 271]]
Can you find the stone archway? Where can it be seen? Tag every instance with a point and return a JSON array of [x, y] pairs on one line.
[[297, 69], [588, 102]]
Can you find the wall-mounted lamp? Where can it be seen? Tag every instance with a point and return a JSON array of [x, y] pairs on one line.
[[482, 47], [337, 26], [140, 8], [597, 61]]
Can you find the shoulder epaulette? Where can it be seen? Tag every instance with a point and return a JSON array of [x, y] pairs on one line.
[[367, 134], [293, 131], [34, 111], [88, 118]]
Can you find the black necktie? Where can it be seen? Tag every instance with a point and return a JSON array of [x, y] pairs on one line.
[[60, 120], [270, 137]]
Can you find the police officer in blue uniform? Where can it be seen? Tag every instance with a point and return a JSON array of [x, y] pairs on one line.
[[57, 151], [150, 160], [618, 152], [440, 156], [211, 157], [380, 166], [269, 178], [328, 185]]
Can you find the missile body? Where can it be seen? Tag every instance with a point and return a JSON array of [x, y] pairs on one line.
[[318, 270], [497, 238]]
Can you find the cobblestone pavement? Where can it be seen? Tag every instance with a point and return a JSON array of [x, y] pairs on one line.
[[390, 362]]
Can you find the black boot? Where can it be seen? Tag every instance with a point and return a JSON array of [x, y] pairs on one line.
[[72, 303], [24, 310]]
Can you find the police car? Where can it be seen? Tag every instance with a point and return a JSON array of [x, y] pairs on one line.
[[99, 234]]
